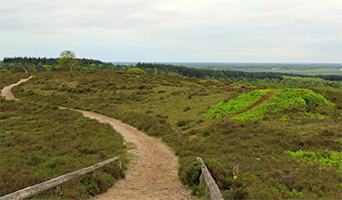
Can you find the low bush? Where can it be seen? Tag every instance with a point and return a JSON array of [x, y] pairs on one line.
[[8, 78], [303, 102], [152, 125], [41, 142], [235, 105], [326, 158]]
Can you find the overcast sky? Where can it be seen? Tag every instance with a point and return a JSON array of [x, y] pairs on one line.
[[174, 30]]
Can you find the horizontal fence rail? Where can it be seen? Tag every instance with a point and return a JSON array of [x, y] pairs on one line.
[[212, 191], [53, 183]]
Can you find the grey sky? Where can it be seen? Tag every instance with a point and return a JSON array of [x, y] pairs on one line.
[[174, 30]]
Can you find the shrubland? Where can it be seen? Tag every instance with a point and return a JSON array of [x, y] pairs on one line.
[[40, 142], [7, 78], [172, 108], [266, 77]]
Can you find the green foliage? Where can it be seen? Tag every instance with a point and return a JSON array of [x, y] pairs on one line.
[[68, 60], [235, 105], [290, 101], [136, 70], [326, 157], [190, 174]]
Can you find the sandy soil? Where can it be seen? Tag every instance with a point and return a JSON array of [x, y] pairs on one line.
[[154, 171], [6, 92]]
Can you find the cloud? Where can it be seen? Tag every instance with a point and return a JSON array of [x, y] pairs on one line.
[[178, 30]]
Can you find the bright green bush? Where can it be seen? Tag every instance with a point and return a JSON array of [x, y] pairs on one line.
[[235, 105], [326, 158], [294, 100], [136, 70]]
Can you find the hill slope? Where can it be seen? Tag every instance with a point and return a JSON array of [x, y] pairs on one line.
[[164, 106]]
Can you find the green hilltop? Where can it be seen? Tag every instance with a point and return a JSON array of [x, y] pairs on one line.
[[284, 102]]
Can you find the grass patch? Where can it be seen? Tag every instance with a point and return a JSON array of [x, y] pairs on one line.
[[235, 105], [290, 101], [326, 158]]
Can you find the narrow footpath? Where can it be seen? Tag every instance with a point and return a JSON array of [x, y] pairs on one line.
[[261, 101], [153, 175], [154, 171], [6, 92]]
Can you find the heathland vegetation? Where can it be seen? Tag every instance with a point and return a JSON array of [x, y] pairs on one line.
[[52, 64], [331, 82], [40, 142], [268, 150]]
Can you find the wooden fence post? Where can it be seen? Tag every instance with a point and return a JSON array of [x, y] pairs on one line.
[[118, 164], [212, 191], [58, 191], [56, 182]]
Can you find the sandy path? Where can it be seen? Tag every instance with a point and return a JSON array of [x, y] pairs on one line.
[[6, 92], [153, 174], [154, 171]]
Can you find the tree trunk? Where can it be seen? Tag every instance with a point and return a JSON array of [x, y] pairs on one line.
[[25, 70]]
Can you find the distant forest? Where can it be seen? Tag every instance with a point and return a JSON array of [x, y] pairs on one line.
[[45, 61], [49, 64]]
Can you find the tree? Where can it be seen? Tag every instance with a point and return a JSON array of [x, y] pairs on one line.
[[67, 59], [22, 65]]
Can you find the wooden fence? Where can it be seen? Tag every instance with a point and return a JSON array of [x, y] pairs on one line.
[[56, 182], [212, 191]]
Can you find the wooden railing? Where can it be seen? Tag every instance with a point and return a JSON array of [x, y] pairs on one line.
[[56, 182], [212, 191]]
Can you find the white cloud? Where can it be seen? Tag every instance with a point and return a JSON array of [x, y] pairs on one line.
[[178, 30]]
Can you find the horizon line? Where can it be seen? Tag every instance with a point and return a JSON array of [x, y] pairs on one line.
[[218, 62], [189, 62]]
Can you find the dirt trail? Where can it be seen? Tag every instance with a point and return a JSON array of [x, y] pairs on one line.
[[6, 92], [154, 171], [153, 175], [261, 101]]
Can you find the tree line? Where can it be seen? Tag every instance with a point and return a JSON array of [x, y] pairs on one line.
[[156, 68], [31, 64], [206, 73], [46, 61]]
